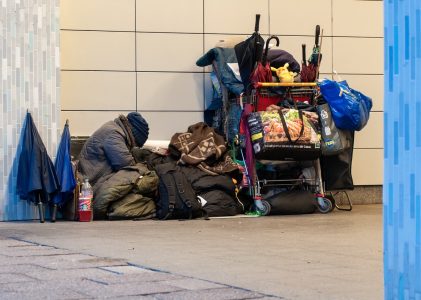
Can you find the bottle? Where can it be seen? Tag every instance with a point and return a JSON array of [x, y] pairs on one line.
[[85, 202]]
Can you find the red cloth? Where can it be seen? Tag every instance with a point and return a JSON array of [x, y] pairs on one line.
[[264, 101]]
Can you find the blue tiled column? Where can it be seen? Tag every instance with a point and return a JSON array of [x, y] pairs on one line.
[[402, 137], [29, 79]]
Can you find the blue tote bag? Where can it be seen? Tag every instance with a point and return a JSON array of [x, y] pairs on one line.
[[350, 108]]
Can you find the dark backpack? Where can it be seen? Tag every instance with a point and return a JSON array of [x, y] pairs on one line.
[[177, 199]]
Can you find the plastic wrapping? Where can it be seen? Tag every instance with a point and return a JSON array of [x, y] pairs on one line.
[[350, 108]]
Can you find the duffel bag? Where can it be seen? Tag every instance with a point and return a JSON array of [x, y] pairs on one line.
[[292, 202]]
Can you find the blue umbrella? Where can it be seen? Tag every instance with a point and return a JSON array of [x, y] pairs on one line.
[[64, 170], [36, 179]]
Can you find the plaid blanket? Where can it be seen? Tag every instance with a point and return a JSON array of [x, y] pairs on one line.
[[201, 146]]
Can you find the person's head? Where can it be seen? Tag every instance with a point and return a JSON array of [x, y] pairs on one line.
[[140, 128]]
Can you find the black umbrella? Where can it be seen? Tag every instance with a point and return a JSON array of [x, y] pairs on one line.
[[249, 53], [36, 179], [65, 173]]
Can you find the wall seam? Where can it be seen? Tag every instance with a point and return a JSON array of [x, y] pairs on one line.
[[333, 40], [135, 52], [203, 52], [269, 18]]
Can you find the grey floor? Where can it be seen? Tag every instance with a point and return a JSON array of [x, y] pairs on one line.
[[332, 256]]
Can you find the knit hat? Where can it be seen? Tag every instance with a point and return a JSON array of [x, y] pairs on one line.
[[140, 128]]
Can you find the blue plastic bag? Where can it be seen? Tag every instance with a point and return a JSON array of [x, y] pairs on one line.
[[350, 108]]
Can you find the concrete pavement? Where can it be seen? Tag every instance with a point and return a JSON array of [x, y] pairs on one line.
[[332, 256]]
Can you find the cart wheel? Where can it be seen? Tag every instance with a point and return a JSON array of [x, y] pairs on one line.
[[324, 205], [331, 199], [265, 208]]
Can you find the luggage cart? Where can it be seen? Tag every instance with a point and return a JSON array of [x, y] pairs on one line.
[[231, 113], [324, 203]]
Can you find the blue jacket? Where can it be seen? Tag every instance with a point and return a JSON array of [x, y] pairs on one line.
[[222, 56]]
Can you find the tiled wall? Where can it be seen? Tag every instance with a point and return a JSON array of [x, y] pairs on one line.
[[124, 55], [402, 137], [29, 63]]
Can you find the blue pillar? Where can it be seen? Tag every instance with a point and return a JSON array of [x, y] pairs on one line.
[[402, 156]]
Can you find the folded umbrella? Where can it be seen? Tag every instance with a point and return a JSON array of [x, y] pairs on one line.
[[263, 73], [308, 71], [316, 56], [64, 171], [36, 179], [248, 53], [311, 74]]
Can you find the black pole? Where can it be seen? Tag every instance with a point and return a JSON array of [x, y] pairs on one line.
[[41, 212], [54, 213]]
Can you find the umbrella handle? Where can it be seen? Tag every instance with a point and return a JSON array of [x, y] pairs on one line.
[[319, 57], [273, 37], [256, 24], [317, 35], [303, 47]]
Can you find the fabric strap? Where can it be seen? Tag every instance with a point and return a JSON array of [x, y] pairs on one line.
[[284, 125]]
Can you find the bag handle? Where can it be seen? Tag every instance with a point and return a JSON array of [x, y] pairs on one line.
[[171, 189], [286, 129]]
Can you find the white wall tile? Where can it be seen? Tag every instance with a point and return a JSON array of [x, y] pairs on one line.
[[168, 52], [169, 16], [170, 91], [370, 85], [84, 123], [300, 17], [163, 125], [235, 16], [211, 40], [370, 136], [367, 166], [98, 90], [98, 14], [358, 55], [97, 50], [357, 18]]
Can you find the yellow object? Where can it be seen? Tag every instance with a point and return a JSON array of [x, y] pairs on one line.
[[256, 136], [284, 74], [286, 84]]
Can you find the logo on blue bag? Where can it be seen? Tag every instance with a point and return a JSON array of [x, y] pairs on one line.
[[329, 143]]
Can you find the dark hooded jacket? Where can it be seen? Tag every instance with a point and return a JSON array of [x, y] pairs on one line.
[[107, 151], [122, 188]]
